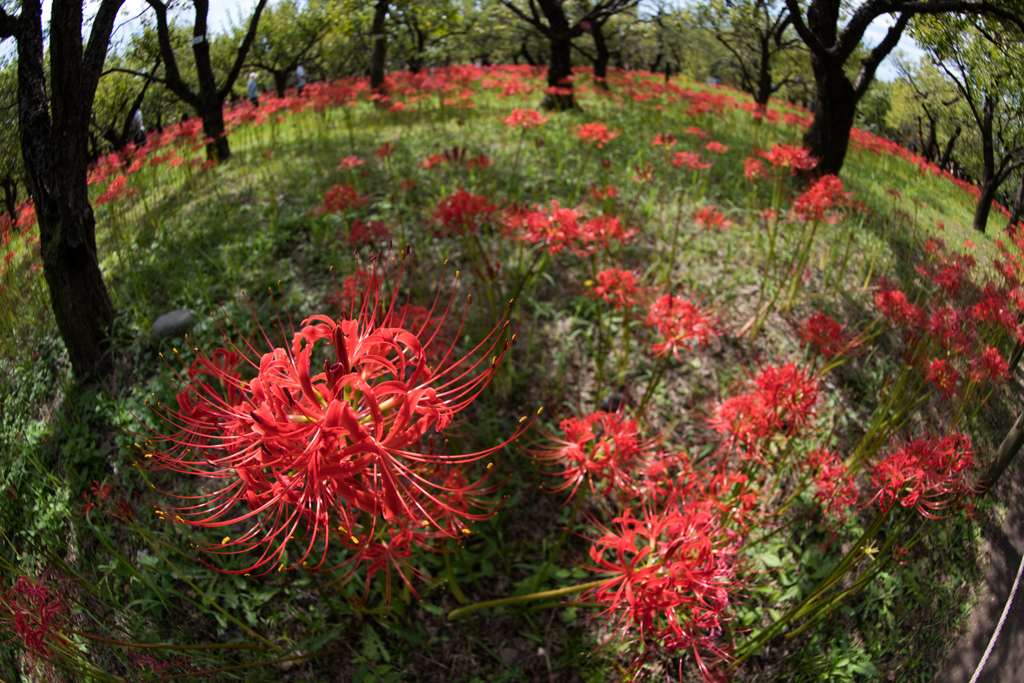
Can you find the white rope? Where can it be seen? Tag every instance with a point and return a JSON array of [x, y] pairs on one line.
[[999, 626]]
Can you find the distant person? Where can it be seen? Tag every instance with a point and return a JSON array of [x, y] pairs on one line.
[[253, 90], [138, 130], [300, 78]]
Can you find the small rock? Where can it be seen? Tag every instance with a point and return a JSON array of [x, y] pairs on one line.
[[508, 655], [173, 324]]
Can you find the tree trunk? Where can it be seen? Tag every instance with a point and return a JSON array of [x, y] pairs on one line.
[[213, 128], [280, 81], [379, 46], [559, 71], [829, 134], [948, 153], [764, 73], [989, 183], [603, 56], [1018, 204], [930, 147], [1006, 454], [56, 164], [10, 186]]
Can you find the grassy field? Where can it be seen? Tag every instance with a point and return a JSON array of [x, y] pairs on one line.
[[693, 415]]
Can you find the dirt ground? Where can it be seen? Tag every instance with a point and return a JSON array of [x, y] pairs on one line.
[[1005, 547]]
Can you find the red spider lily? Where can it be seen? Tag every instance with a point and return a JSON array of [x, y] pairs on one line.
[[824, 335], [310, 451], [596, 132], [836, 490], [789, 156], [952, 329], [711, 218], [690, 160], [37, 613], [525, 118], [384, 151], [753, 169], [928, 474], [944, 376], [463, 212], [361, 233], [671, 575], [599, 232], [602, 446], [341, 198], [716, 147], [350, 162], [825, 194], [694, 130], [783, 402], [433, 160], [989, 367], [118, 189], [645, 174], [618, 287], [605, 192], [669, 141], [680, 323], [894, 305]]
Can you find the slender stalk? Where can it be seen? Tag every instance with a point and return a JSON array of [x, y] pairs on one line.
[[515, 599]]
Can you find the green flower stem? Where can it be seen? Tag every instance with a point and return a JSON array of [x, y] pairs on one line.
[[565, 534], [168, 646], [515, 599], [655, 379], [751, 647], [453, 583]]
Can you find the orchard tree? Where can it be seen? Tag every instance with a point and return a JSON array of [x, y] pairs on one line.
[[380, 45], [758, 36], [117, 97], [207, 101], [53, 127], [926, 105], [12, 171], [832, 31], [289, 32], [985, 68], [550, 18]]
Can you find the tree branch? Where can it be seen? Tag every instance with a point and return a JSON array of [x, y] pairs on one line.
[[811, 40], [8, 25], [243, 51], [96, 51], [138, 74], [881, 51]]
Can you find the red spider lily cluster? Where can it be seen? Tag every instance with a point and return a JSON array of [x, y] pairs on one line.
[[601, 447], [345, 453], [563, 229], [463, 212], [618, 287], [789, 156], [711, 219], [525, 118], [690, 160], [783, 402], [596, 132], [37, 613], [680, 324], [824, 195], [927, 474], [953, 338], [341, 198], [824, 335], [836, 490], [118, 189], [671, 574]]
